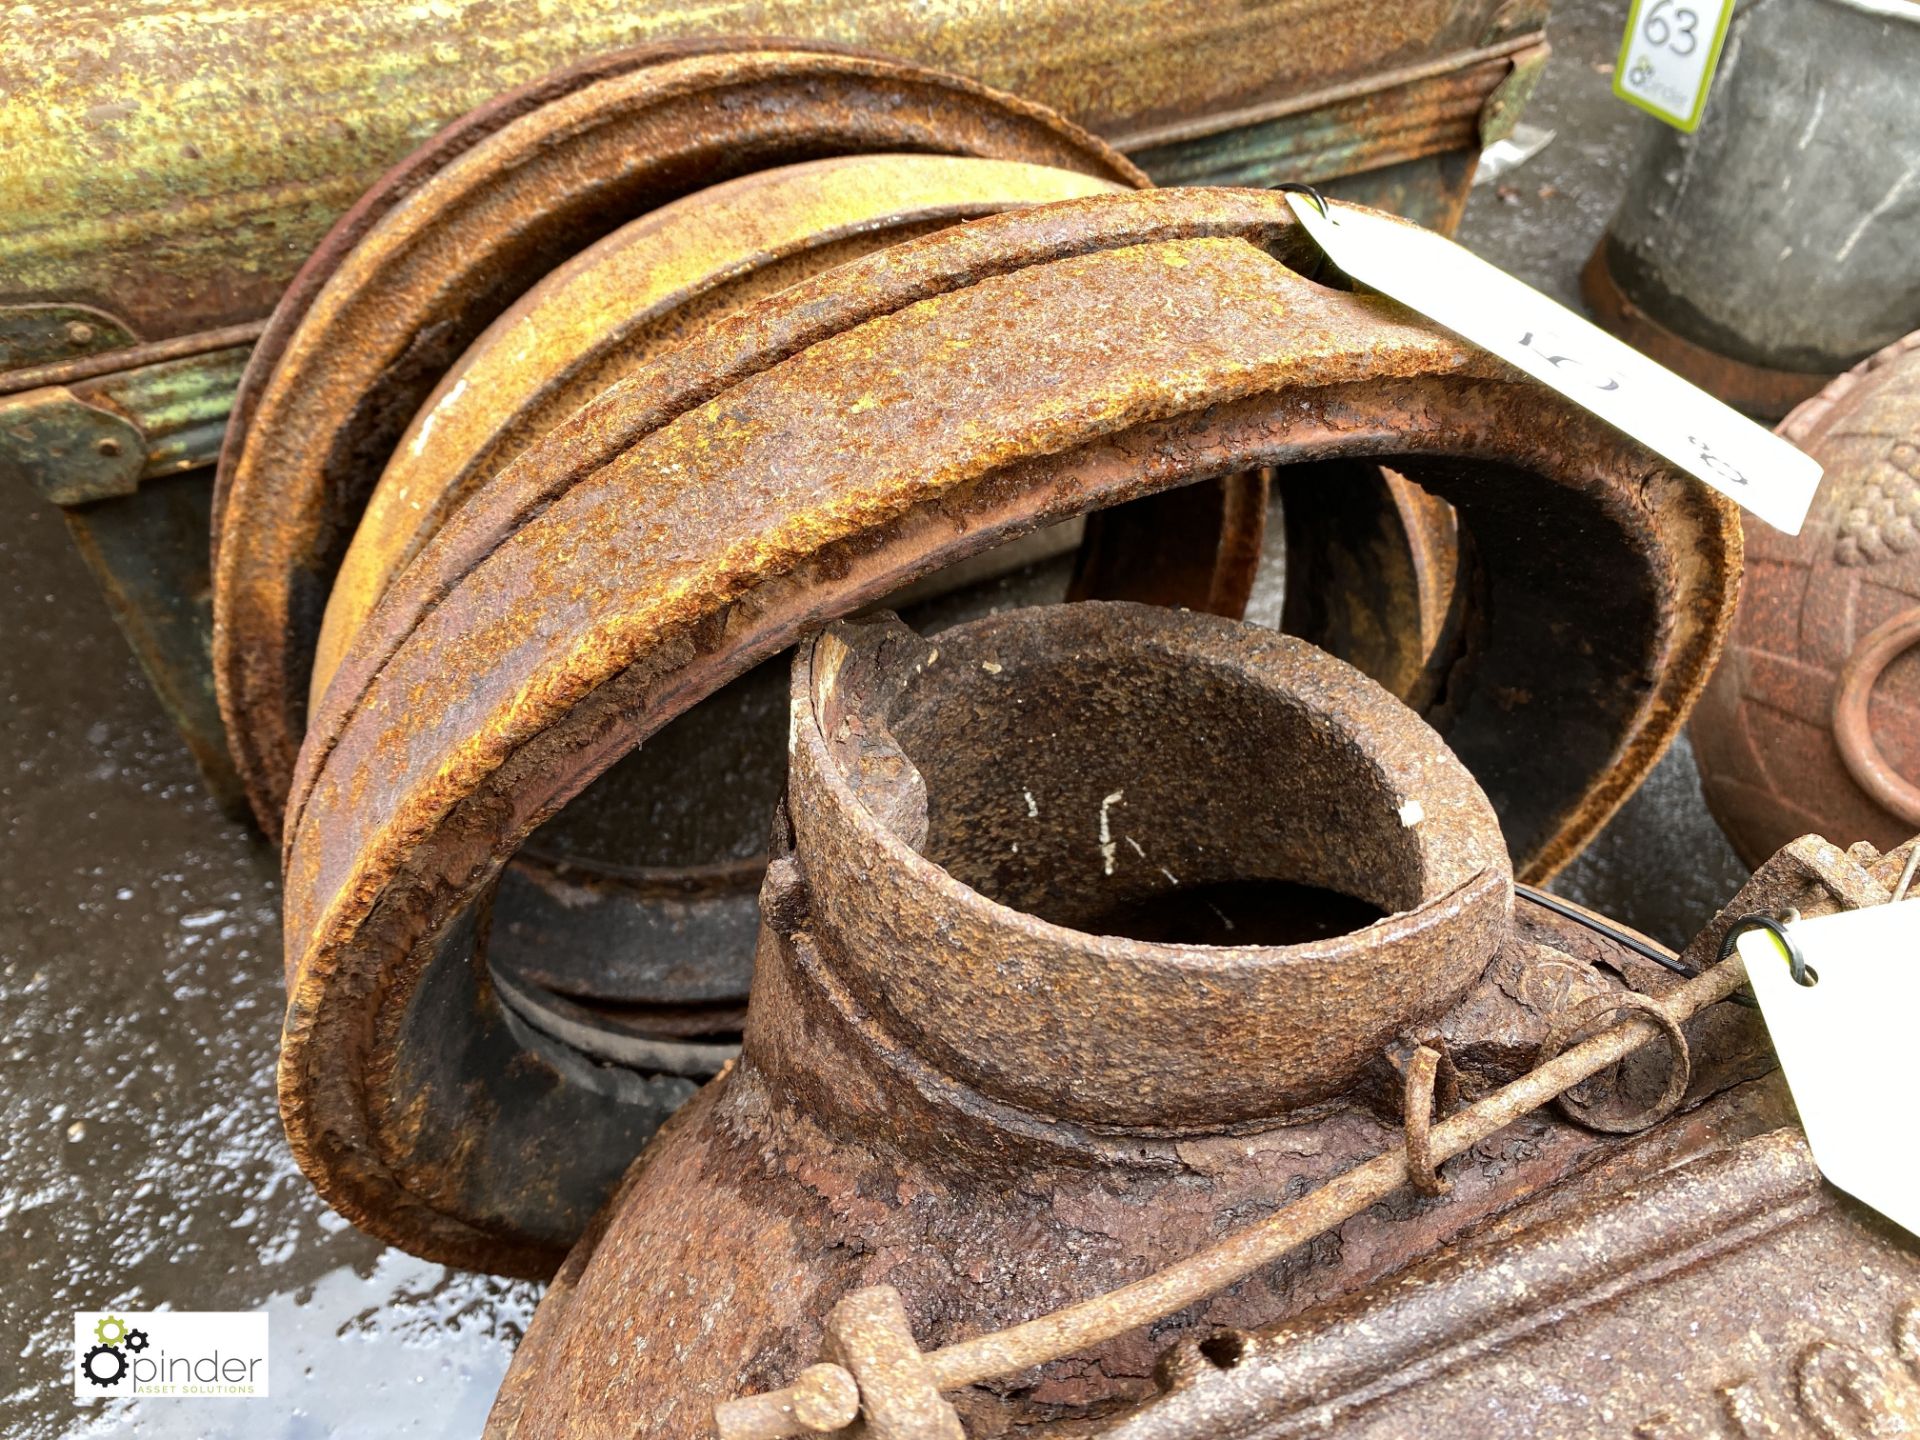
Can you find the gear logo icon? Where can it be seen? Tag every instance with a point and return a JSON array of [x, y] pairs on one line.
[[104, 1365], [108, 1362]]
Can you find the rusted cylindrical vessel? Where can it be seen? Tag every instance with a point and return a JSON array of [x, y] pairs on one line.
[[1087, 931], [1811, 723], [1774, 247]]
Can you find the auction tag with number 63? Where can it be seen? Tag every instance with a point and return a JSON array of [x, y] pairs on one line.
[[1486, 305], [1667, 57]]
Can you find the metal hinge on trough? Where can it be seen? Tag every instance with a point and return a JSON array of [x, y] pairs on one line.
[[71, 451], [1501, 111], [95, 436]]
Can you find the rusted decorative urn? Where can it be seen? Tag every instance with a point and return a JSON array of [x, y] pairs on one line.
[[1811, 724]]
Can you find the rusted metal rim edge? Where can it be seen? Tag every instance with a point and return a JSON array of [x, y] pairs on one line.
[[288, 517], [1756, 390], [1702, 630], [503, 392], [566, 1023], [395, 286], [736, 348], [1226, 120], [413, 171], [878, 1040], [1810, 417], [601, 726], [1689, 649], [654, 882], [1463, 907], [389, 190], [1456, 845]]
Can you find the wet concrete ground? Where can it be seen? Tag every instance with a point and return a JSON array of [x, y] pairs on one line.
[[143, 1165]]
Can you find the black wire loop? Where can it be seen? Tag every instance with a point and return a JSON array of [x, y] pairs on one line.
[[1291, 187], [1620, 937], [1776, 927]]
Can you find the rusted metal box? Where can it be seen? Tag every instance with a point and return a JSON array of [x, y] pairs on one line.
[[171, 170]]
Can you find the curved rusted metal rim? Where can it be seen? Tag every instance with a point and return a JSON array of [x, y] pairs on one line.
[[809, 456], [450, 254], [1129, 1038], [1373, 573], [420, 166], [413, 171], [600, 316]]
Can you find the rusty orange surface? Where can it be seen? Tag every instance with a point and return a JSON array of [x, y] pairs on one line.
[[810, 454], [602, 314]]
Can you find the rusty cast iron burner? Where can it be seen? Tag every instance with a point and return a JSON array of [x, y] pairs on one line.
[[1094, 934]]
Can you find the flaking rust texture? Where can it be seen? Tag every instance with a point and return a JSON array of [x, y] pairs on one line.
[[179, 163], [1702, 1279], [646, 287], [449, 255], [952, 392], [962, 1079]]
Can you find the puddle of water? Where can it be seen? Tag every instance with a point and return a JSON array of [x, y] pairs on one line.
[[142, 1163], [419, 1349]]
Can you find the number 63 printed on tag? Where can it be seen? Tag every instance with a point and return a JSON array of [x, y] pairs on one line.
[[1668, 55]]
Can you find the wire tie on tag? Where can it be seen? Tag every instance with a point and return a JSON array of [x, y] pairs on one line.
[[1291, 187], [1320, 203], [1776, 927], [1619, 937]]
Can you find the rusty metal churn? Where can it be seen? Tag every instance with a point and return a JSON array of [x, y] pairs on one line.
[[1811, 723], [1775, 246], [1115, 961]]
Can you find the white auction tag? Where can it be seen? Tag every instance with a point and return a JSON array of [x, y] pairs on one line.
[[1846, 1044], [1668, 55], [1486, 305]]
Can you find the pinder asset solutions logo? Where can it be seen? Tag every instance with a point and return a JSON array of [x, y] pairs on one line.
[[169, 1354]]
